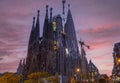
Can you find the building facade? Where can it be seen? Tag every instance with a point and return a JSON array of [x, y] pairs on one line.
[[57, 50], [93, 72], [116, 65]]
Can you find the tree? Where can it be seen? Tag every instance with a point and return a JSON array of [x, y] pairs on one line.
[[56, 79], [10, 78], [102, 81], [37, 77], [29, 81], [72, 80]]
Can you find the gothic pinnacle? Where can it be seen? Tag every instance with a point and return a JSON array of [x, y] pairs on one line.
[[63, 2], [51, 14], [37, 22], [69, 6], [47, 11], [38, 12], [33, 21], [38, 15]]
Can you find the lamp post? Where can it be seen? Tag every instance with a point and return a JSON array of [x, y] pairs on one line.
[[118, 60], [78, 69], [77, 74]]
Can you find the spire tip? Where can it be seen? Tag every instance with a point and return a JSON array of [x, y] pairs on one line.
[[63, 1], [33, 18], [38, 11], [51, 9], [47, 10], [68, 5], [51, 14], [46, 6]]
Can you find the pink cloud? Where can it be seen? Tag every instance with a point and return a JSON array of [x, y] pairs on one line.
[[101, 39], [110, 30], [106, 71], [12, 66]]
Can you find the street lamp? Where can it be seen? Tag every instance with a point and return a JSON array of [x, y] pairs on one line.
[[118, 60], [78, 70], [77, 74]]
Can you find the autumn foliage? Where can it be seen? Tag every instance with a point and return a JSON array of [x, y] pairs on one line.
[[37, 77], [10, 78]]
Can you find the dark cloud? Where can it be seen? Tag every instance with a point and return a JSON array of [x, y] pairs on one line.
[[104, 33], [1, 59], [93, 13], [15, 26], [4, 52], [101, 37], [2, 43], [12, 36]]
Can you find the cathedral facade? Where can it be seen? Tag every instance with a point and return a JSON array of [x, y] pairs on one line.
[[56, 51]]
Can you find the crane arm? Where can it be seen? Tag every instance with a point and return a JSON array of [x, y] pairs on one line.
[[81, 42]]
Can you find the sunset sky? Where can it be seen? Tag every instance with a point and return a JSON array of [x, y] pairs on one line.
[[97, 22]]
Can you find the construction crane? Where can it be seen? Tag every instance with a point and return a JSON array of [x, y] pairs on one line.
[[83, 57], [83, 44], [80, 41]]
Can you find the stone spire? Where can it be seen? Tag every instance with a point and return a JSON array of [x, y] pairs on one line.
[[33, 26], [24, 62], [20, 67], [20, 63], [51, 25], [32, 32], [51, 14], [46, 12], [33, 47], [37, 22], [68, 6], [63, 2], [34, 51], [37, 32], [71, 44], [36, 35], [46, 24], [31, 38], [70, 30]]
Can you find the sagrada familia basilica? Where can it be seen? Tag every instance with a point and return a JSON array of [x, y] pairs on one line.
[[57, 50]]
